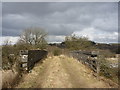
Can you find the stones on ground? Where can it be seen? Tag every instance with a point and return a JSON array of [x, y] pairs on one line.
[[61, 72]]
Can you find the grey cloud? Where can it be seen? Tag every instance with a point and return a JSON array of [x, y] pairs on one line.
[[11, 32], [53, 38], [36, 8], [107, 40], [62, 18]]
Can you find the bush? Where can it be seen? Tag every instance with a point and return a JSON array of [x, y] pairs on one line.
[[78, 43], [57, 52], [107, 53], [106, 70]]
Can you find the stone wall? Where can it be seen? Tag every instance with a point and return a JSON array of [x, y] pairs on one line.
[[28, 58], [35, 56]]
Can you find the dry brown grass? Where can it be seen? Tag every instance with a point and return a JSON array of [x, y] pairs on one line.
[[8, 78]]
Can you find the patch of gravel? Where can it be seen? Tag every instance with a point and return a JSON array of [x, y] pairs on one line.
[[61, 72]]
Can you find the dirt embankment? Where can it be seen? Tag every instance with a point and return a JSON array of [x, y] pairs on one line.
[[9, 78], [62, 72]]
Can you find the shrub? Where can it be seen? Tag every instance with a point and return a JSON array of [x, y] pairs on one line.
[[106, 70], [57, 52], [78, 43]]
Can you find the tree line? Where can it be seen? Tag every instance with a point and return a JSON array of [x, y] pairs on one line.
[[35, 38]]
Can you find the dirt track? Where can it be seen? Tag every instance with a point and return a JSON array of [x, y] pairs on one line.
[[61, 72]]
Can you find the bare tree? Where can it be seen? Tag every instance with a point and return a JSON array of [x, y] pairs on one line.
[[33, 36]]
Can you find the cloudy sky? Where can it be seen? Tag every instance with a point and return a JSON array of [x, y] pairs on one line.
[[96, 20]]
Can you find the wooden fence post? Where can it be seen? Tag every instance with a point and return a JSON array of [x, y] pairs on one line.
[[98, 68], [98, 65]]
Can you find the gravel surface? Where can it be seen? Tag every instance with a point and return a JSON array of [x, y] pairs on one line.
[[61, 72]]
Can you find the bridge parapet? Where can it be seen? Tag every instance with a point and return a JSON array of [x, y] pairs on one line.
[[88, 58], [28, 58]]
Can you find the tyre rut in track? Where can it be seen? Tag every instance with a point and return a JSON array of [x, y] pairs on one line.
[[61, 72]]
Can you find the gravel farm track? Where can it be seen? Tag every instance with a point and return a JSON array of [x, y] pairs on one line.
[[62, 72]]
